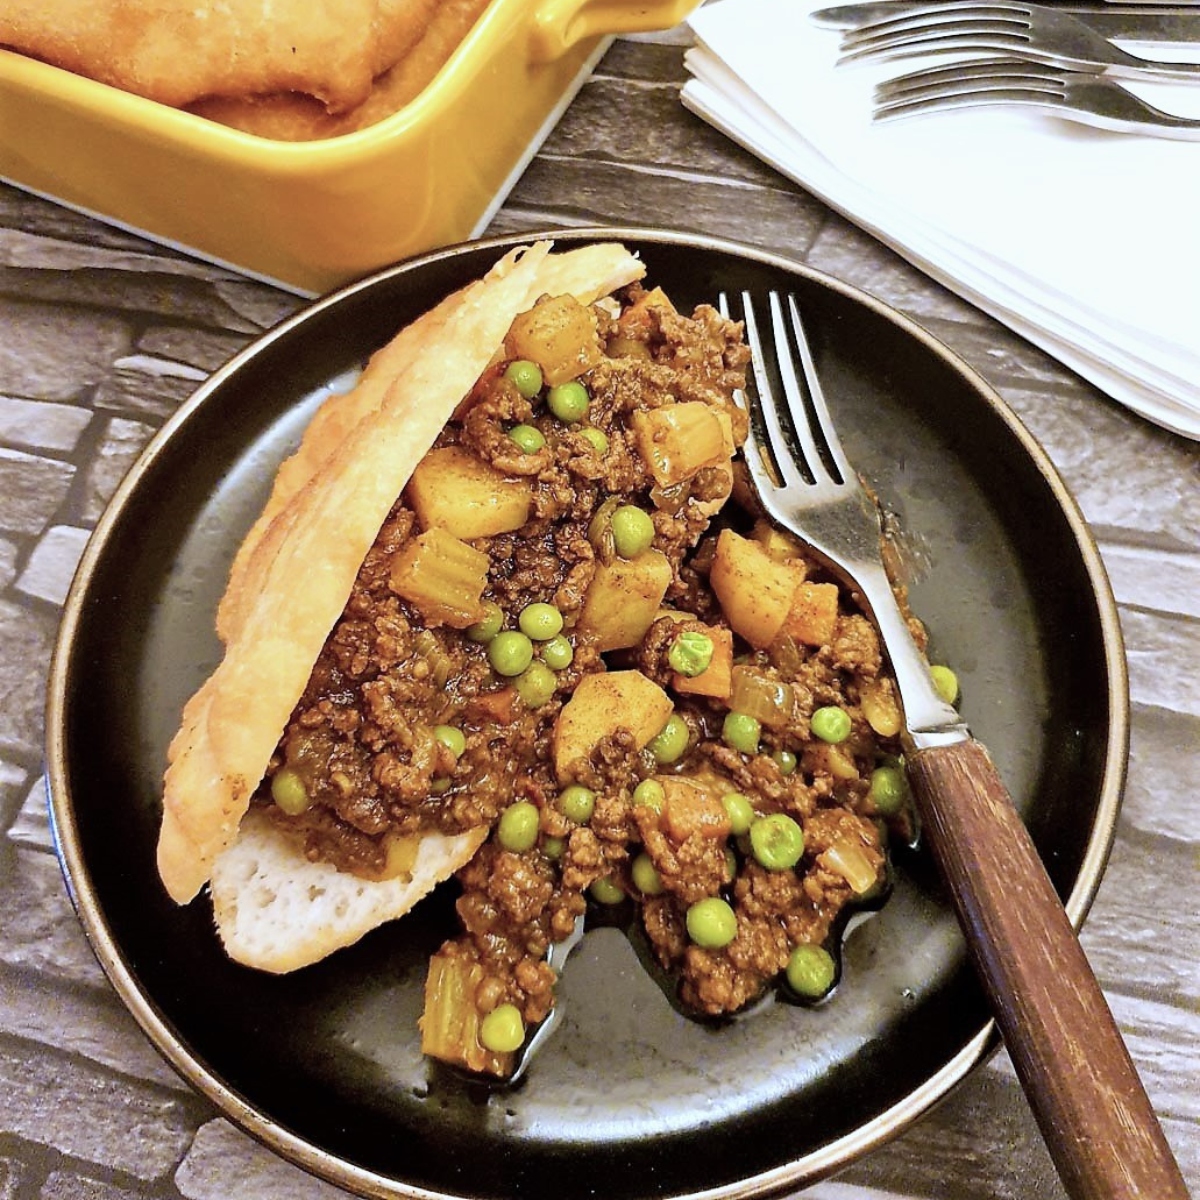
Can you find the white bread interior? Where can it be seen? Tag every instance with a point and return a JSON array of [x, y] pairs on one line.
[[277, 911]]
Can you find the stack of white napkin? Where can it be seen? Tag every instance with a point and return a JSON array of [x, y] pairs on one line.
[[1086, 242]]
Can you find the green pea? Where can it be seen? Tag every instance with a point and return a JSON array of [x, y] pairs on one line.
[[740, 812], [568, 401], [502, 1030], [785, 760], [711, 923], [528, 438], [525, 376], [453, 739], [607, 890], [536, 684], [518, 826], [830, 724], [632, 530], [598, 439], [557, 653], [670, 744], [553, 847], [488, 625], [946, 682], [540, 621], [888, 790], [510, 652], [650, 793], [691, 653], [289, 792], [776, 841], [577, 803], [741, 731], [810, 971], [439, 786], [646, 878]]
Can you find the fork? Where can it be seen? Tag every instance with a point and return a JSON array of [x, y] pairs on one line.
[[1084, 1090], [1004, 27], [1088, 99]]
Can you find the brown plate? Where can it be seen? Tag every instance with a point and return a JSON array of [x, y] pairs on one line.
[[628, 1098]]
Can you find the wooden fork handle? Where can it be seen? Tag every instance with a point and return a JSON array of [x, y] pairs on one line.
[[1069, 1055]]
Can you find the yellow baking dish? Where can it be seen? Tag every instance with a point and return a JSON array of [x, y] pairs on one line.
[[314, 215]]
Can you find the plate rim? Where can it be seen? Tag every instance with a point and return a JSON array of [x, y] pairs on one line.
[[814, 1165]]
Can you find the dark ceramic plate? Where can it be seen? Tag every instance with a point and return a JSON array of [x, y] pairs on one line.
[[628, 1098]]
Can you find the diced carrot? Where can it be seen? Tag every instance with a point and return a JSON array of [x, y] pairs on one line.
[[716, 679]]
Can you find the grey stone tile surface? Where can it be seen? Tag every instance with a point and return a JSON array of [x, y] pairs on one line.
[[104, 334]]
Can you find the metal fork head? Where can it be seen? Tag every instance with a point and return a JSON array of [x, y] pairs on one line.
[[806, 485], [983, 81], [996, 26], [1090, 99], [792, 451], [934, 27]]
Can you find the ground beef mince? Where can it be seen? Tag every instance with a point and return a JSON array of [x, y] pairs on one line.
[[568, 632]]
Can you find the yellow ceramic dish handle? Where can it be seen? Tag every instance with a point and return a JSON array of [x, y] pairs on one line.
[[561, 24]]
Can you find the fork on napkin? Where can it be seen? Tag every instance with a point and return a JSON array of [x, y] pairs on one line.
[[1083, 241]]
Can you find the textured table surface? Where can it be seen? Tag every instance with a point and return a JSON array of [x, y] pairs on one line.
[[103, 335]]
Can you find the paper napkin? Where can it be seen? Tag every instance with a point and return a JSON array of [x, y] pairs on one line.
[[1084, 241]]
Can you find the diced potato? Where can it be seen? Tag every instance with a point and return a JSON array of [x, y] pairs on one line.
[[637, 322], [442, 577], [689, 809], [560, 335], [654, 298], [825, 758], [620, 346], [724, 463], [623, 599], [778, 543], [400, 854], [755, 590], [716, 679], [600, 705], [881, 707], [678, 440], [451, 489], [813, 614]]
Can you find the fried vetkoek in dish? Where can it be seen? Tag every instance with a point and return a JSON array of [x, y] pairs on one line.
[[291, 70], [569, 663]]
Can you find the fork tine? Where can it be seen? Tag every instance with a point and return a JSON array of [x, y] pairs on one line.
[[816, 394], [786, 468], [928, 15], [1015, 69], [793, 391], [936, 40], [980, 98], [962, 79]]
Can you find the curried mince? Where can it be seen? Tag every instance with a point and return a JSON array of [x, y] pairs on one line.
[[575, 629]]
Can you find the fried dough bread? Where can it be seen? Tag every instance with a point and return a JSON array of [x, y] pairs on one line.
[[290, 582], [296, 117], [177, 51]]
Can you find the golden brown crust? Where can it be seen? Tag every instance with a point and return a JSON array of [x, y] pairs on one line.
[[295, 117], [178, 51], [291, 581]]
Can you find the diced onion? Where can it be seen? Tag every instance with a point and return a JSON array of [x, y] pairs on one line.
[[768, 699], [850, 861]]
